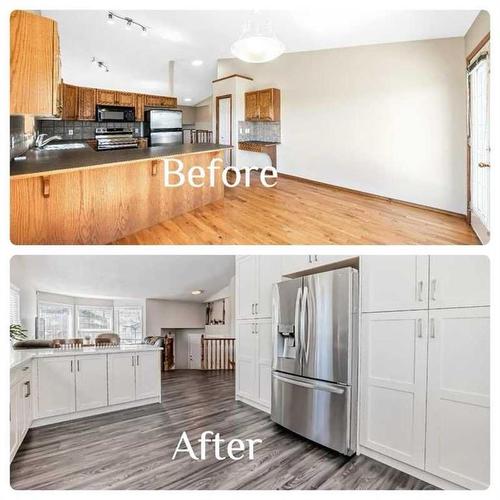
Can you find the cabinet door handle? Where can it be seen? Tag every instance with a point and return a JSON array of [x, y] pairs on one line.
[[154, 168], [315, 258], [71, 366], [433, 289], [45, 187], [133, 364], [420, 290], [253, 308], [309, 259], [256, 308], [256, 329], [77, 365], [137, 359], [433, 328], [28, 389], [419, 328]]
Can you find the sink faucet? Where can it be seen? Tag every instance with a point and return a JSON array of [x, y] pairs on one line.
[[40, 141]]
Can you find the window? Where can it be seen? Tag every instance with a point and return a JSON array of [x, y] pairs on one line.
[[95, 319], [129, 324], [57, 320], [15, 306]]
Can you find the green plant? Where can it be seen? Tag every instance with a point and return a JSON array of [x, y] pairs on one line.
[[17, 332]]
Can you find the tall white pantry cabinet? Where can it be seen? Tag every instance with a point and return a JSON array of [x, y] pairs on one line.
[[425, 364]]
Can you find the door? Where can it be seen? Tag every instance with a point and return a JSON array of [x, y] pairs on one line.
[[105, 96], [56, 386], [269, 273], [264, 361], [224, 124], [479, 143], [316, 410], [458, 415], [121, 378], [287, 341], [251, 106], [147, 375], [393, 384], [459, 281], [91, 382], [162, 138], [194, 351], [246, 286], [327, 326], [394, 282], [246, 360]]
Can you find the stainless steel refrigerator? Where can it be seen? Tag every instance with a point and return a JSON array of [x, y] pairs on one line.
[[314, 381], [163, 127]]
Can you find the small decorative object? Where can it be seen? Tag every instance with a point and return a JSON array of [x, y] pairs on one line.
[[17, 332]]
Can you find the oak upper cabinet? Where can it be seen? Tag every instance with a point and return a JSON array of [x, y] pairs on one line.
[[139, 107], [263, 105], [69, 102], [34, 65], [393, 384], [125, 99], [459, 281], [160, 101], [91, 378], [394, 282], [255, 276], [105, 97], [86, 103], [121, 378], [293, 264], [55, 386], [458, 401]]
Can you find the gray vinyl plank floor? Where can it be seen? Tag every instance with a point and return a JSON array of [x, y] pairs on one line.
[[132, 449]]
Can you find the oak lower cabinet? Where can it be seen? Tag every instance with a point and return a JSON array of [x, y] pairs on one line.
[[91, 376], [458, 398], [425, 391], [293, 264], [255, 276], [21, 411], [254, 363]]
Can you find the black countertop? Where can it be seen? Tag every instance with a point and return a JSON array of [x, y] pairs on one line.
[[39, 162]]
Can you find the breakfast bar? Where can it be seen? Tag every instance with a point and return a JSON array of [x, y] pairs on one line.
[[84, 196]]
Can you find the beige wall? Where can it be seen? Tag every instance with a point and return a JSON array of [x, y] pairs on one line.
[[173, 314], [480, 27], [386, 119]]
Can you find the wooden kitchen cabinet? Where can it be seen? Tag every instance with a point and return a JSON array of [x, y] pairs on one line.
[[160, 101], [34, 65], [69, 102], [139, 108], [104, 96], [263, 105], [86, 103], [125, 99]]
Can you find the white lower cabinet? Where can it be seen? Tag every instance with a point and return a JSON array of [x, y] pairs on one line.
[[458, 401], [394, 369], [147, 381], [254, 362], [91, 382], [21, 411], [425, 391]]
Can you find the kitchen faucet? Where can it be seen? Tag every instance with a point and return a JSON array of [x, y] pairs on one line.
[[40, 142]]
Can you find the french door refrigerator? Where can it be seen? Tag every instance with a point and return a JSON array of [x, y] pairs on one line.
[[314, 380], [163, 126]]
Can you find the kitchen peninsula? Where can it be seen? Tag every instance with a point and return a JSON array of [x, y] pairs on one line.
[[84, 196]]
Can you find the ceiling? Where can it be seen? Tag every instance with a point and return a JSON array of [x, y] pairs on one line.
[[128, 276], [140, 63]]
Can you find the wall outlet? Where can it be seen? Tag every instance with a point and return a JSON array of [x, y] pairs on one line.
[[70, 131]]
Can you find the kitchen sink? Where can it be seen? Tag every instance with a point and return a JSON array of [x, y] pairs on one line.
[[56, 147]]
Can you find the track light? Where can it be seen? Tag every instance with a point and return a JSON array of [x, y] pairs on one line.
[[100, 64], [144, 31], [129, 22], [110, 18]]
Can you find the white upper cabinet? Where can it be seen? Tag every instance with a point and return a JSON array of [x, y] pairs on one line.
[[459, 281], [255, 276], [91, 382], [394, 283], [55, 386], [293, 264], [458, 406], [393, 384], [147, 381], [121, 382]]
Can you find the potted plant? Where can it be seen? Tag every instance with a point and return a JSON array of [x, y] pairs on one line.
[[17, 333]]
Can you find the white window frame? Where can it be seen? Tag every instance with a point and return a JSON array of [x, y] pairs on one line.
[[93, 330], [14, 290], [117, 322], [61, 304]]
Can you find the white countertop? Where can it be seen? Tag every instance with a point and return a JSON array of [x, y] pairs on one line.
[[22, 356]]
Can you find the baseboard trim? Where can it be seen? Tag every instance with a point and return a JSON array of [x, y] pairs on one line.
[[372, 195], [409, 469], [39, 422], [255, 404]]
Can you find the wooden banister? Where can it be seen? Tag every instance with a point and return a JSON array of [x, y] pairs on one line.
[[217, 353]]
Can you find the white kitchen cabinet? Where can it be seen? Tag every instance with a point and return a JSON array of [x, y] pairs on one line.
[[55, 386], [91, 382], [459, 281], [14, 419], [147, 381], [21, 412], [393, 384], [255, 276], [394, 282], [121, 378], [264, 361], [293, 264], [458, 402]]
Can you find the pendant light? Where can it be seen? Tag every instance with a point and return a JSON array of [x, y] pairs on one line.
[[258, 43]]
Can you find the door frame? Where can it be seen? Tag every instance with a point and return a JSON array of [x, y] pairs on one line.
[[217, 101], [468, 59]]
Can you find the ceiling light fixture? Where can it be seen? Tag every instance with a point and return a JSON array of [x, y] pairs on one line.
[[197, 62], [257, 43], [187, 99], [100, 64], [196, 292], [129, 22]]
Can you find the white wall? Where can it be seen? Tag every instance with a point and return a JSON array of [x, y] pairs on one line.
[[173, 315], [386, 119], [27, 293], [480, 27]]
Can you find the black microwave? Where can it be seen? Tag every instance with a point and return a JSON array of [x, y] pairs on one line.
[[115, 114]]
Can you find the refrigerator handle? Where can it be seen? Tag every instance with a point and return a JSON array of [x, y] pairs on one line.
[[310, 385], [304, 328], [297, 324]]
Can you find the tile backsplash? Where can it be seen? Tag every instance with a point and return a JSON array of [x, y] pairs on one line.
[[22, 134], [78, 130], [259, 131]]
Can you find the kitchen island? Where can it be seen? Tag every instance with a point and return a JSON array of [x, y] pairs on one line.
[[84, 196], [55, 385]]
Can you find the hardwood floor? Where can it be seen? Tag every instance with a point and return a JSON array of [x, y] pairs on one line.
[[133, 449], [301, 213]]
